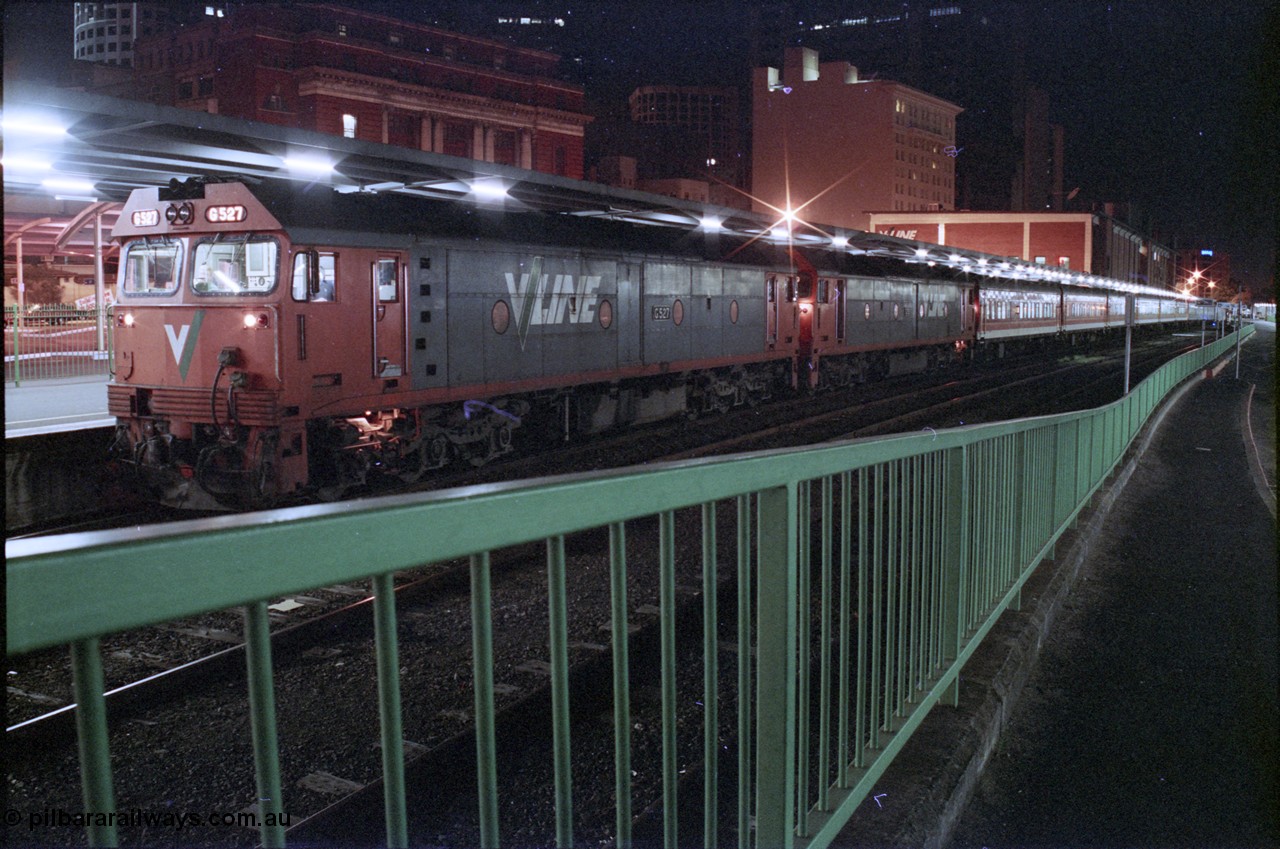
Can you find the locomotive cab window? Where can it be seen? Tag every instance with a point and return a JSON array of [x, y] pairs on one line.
[[313, 277], [384, 279], [151, 267], [235, 265]]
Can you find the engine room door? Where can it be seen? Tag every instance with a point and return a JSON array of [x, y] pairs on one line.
[[388, 317], [771, 313]]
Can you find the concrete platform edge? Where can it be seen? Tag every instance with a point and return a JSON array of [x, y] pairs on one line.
[[930, 801]]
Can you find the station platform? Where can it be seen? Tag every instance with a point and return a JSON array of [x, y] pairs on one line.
[[54, 406], [1132, 701]]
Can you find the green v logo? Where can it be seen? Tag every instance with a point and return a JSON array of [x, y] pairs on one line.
[[183, 342]]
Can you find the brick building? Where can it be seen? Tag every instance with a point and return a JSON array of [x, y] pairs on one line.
[[342, 71], [1082, 241], [841, 146]]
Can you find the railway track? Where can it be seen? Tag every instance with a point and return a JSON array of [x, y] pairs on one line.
[[328, 640]]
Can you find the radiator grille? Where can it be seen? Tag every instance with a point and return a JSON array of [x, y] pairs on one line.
[[253, 407]]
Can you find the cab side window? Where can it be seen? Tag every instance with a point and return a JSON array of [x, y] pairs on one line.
[[385, 274], [318, 284]]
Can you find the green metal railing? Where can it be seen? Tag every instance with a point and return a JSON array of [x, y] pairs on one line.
[[866, 574], [51, 341]]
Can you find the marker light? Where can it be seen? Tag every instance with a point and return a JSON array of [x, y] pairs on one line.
[[254, 320]]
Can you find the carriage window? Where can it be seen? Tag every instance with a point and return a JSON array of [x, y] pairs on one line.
[[822, 291], [236, 265], [152, 268], [384, 278], [327, 268]]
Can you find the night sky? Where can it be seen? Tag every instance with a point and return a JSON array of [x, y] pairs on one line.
[[1170, 104]]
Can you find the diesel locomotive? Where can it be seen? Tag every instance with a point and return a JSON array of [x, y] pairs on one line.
[[274, 341]]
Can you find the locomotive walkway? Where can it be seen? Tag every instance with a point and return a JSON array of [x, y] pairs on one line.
[[1133, 699]]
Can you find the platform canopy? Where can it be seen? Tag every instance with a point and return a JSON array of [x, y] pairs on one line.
[[70, 156]]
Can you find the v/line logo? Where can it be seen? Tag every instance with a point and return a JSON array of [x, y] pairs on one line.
[[182, 342], [528, 299]]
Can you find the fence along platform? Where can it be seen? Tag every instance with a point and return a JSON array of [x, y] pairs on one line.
[[57, 341], [916, 544]]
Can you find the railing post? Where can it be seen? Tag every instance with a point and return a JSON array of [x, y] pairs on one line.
[[1023, 493], [482, 671], [389, 722], [710, 682], [91, 736], [557, 605], [262, 717], [776, 664], [621, 685], [743, 616], [667, 622], [955, 556]]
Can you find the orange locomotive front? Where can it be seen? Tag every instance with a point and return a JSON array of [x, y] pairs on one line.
[[198, 389]]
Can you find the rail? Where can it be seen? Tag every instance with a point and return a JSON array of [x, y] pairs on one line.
[[50, 341], [915, 546]]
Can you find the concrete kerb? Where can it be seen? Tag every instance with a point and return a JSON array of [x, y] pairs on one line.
[[924, 801]]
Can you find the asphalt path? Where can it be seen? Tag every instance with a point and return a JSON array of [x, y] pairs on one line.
[[1151, 719]]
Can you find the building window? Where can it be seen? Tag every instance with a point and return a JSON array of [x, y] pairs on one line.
[[349, 126], [342, 30]]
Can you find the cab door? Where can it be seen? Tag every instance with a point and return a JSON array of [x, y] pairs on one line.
[[772, 307], [386, 274]]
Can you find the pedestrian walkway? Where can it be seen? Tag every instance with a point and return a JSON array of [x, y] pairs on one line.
[[1151, 718], [50, 406]]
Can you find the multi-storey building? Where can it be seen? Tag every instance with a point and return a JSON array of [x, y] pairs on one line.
[[347, 72], [105, 32], [710, 119], [834, 147]]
